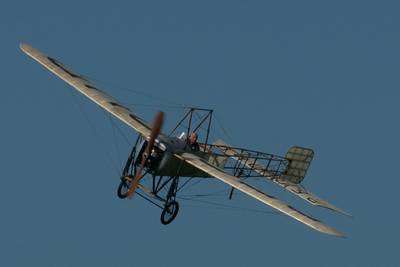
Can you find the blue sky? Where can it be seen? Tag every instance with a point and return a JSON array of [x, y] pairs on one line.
[[316, 74]]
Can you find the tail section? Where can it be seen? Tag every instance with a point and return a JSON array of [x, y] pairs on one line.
[[299, 161]]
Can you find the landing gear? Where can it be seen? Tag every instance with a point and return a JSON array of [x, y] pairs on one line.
[[171, 206], [123, 188], [169, 212], [128, 173], [160, 184]]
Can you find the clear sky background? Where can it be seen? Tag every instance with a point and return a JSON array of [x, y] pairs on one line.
[[319, 74]]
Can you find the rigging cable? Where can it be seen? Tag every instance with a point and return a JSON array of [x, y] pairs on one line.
[[93, 128], [121, 132], [116, 146], [230, 207], [148, 95], [149, 200]]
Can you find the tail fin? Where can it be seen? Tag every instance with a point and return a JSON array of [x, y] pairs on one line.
[[299, 160]]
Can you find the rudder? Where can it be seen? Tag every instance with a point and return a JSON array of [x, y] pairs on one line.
[[299, 161]]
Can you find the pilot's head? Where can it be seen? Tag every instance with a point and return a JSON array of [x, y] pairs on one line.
[[193, 138]]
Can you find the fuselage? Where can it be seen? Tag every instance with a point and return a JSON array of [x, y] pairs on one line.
[[163, 162]]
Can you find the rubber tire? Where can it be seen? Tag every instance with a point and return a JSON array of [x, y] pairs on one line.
[[163, 213], [122, 185]]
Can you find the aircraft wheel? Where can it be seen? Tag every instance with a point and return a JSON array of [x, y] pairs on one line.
[[123, 188], [169, 212]]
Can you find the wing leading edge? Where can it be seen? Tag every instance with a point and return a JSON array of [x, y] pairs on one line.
[[88, 89], [257, 194]]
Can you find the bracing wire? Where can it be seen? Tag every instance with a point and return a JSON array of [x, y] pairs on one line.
[[224, 131], [116, 146], [94, 132], [126, 139], [171, 104], [228, 207], [138, 92], [152, 105]]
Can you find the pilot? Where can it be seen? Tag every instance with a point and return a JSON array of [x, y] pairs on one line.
[[193, 141]]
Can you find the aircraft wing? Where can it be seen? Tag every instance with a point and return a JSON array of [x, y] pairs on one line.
[[256, 193], [285, 183], [88, 89]]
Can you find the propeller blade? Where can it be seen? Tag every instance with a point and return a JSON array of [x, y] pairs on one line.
[[155, 131]]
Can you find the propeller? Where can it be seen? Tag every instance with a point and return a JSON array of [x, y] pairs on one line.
[[155, 131]]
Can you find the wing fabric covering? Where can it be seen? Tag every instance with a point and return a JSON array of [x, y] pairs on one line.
[[257, 194], [88, 89], [285, 183]]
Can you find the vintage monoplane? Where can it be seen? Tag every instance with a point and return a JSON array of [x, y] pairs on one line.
[[167, 159]]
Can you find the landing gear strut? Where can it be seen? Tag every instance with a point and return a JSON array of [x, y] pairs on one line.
[[169, 205]]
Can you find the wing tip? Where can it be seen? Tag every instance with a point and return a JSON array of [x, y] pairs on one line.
[[27, 49], [331, 231], [24, 47], [339, 234], [331, 207], [346, 213]]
